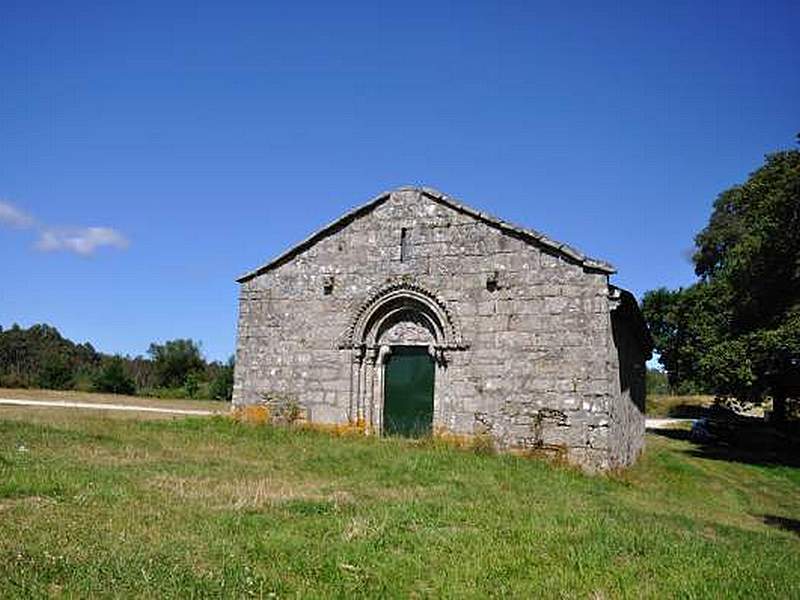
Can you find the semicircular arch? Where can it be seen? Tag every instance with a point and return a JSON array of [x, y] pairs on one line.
[[402, 300]]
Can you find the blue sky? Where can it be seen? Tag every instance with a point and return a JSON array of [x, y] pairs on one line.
[[152, 152]]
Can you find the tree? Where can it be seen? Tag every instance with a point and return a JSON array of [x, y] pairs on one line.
[[738, 328], [751, 245], [221, 387], [40, 356], [113, 379], [55, 373], [174, 360], [656, 382], [684, 324]]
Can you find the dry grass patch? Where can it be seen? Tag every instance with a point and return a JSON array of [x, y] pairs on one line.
[[241, 493], [125, 456], [363, 528], [26, 502]]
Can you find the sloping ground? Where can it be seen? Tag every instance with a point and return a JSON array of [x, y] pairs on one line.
[[91, 506]]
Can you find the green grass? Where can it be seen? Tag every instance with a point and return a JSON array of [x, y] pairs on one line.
[[92, 506]]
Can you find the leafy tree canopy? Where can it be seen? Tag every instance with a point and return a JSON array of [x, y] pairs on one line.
[[41, 357], [737, 330], [750, 249], [175, 360], [113, 378]]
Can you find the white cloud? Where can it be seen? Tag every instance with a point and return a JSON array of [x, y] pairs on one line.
[[79, 240], [14, 217], [83, 240]]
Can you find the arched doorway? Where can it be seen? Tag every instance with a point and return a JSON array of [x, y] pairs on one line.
[[399, 339]]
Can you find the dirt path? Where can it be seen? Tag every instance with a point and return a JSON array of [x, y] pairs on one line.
[[667, 423], [105, 406]]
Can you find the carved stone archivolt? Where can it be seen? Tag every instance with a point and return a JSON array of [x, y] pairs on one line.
[[385, 303], [398, 314]]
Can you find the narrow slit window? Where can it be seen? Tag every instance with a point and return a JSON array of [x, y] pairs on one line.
[[403, 244]]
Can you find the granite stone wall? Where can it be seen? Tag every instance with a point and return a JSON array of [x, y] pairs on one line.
[[520, 329]]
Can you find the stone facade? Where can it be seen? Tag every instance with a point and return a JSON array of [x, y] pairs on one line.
[[532, 346]]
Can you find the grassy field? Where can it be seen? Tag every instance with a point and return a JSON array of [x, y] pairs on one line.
[[99, 506]]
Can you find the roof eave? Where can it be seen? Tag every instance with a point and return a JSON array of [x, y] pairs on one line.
[[528, 234], [314, 237]]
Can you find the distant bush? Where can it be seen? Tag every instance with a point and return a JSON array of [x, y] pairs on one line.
[[192, 384], [113, 379], [221, 387], [163, 392], [657, 382], [14, 380], [175, 360], [55, 374], [83, 379]]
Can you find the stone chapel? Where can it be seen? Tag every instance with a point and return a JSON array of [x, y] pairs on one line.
[[415, 314]]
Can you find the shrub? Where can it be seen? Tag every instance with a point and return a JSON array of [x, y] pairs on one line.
[[221, 387], [657, 382], [163, 393], [112, 378], [55, 374], [192, 385], [175, 360]]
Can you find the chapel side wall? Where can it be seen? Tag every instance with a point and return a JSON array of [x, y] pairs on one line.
[[535, 373], [627, 373]]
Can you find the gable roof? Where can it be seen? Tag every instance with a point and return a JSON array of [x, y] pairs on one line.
[[528, 235]]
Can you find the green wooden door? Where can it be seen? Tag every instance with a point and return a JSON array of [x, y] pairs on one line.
[[408, 392]]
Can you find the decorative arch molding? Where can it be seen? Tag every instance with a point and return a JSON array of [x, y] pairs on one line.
[[394, 301], [400, 313]]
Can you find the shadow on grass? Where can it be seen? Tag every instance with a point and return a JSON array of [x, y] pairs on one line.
[[784, 523], [743, 440]]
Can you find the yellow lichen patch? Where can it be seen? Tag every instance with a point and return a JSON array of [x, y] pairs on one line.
[[482, 443], [254, 414], [555, 454], [458, 440], [338, 429]]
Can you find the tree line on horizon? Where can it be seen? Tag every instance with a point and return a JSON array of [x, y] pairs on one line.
[[735, 332], [40, 357]]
